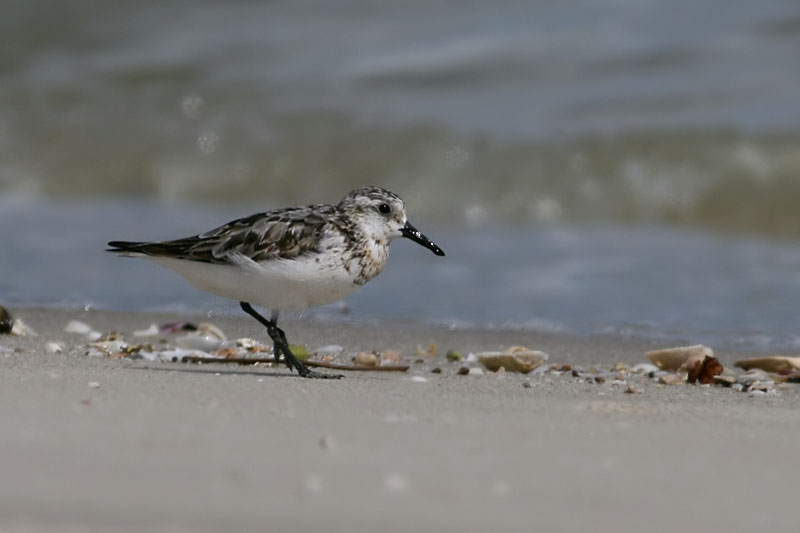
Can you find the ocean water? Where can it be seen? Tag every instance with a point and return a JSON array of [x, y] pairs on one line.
[[607, 166]]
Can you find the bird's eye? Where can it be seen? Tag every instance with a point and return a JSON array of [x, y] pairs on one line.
[[385, 209]]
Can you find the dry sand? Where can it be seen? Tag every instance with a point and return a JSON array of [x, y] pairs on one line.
[[176, 447]]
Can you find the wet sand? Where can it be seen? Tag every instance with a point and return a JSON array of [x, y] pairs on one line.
[[178, 447]]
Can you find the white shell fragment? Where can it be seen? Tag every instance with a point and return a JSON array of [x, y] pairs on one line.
[[54, 347], [206, 328], [202, 342], [21, 329], [82, 328], [515, 359], [778, 364], [152, 331], [174, 355], [679, 358]]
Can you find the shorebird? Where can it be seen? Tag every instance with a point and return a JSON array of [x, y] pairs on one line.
[[290, 259]]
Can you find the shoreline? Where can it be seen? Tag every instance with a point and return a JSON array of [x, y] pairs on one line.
[[95, 443]]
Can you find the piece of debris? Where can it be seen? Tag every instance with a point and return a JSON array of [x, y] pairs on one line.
[[778, 364], [633, 390], [152, 331], [366, 359], [21, 329], [94, 385], [671, 379], [454, 355], [53, 347], [430, 351], [680, 358], [515, 359], [705, 370], [82, 328]]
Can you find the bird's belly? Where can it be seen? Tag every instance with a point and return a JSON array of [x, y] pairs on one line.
[[276, 284]]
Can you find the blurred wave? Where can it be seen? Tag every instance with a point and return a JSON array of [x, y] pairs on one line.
[[477, 113]]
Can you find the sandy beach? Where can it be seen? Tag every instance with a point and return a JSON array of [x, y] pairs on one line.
[[101, 444]]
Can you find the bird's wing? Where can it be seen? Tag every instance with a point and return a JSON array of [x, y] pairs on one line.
[[278, 234]]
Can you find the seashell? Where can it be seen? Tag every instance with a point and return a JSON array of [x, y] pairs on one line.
[[679, 358], [6, 321], [21, 329], [777, 363], [152, 331], [78, 327], [671, 379], [204, 343], [208, 328], [390, 357], [330, 349], [54, 347], [82, 328], [515, 359], [107, 348], [366, 359], [430, 351]]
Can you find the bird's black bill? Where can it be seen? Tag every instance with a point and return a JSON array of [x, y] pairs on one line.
[[410, 232]]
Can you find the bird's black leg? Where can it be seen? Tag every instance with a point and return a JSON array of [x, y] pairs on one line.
[[282, 345]]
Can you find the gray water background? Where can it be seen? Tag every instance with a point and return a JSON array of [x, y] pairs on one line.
[[607, 166]]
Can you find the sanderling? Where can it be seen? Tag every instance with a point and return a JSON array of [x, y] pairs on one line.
[[290, 259]]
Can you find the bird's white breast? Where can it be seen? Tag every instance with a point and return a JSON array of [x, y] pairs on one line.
[[309, 280]]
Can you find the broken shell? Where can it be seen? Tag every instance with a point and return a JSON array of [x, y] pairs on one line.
[[390, 357], [633, 390], [54, 347], [671, 379], [108, 348], [515, 359], [152, 331], [726, 380], [777, 363], [679, 358], [430, 351], [330, 350], [82, 328], [21, 329], [6, 321], [705, 370], [366, 359], [206, 328], [205, 343]]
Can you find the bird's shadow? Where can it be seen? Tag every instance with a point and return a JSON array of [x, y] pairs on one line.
[[215, 371]]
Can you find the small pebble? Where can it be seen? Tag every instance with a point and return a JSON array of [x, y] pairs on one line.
[[526, 384], [418, 379], [463, 371], [454, 355], [366, 359], [633, 390], [436, 370], [94, 385]]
